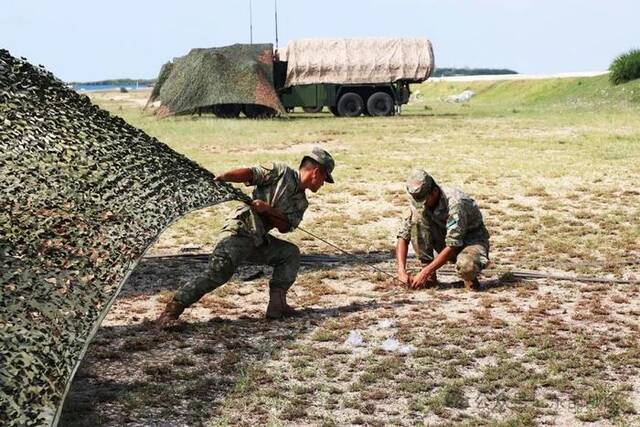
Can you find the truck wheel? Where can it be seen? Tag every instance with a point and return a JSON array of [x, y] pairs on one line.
[[350, 105], [380, 104], [255, 111], [334, 111], [312, 109], [226, 111]]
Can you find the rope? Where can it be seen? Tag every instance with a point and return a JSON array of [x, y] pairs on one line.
[[379, 270], [247, 200]]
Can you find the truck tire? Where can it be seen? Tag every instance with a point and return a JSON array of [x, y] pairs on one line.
[[255, 111], [334, 111], [227, 111], [380, 104], [312, 109], [350, 105]]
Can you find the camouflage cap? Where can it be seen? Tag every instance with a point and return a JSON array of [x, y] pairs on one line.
[[324, 159], [419, 185]]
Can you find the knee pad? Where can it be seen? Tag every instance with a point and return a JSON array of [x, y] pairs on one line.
[[466, 267]]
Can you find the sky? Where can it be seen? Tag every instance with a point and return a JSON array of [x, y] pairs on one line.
[[91, 40]]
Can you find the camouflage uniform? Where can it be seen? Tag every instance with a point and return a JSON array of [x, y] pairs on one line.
[[456, 221], [245, 237]]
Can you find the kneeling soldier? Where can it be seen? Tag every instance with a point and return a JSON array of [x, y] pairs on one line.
[[279, 201], [445, 220]]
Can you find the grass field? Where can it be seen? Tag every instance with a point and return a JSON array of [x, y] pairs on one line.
[[555, 168]]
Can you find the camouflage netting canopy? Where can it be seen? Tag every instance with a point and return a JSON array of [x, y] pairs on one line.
[[82, 195], [358, 60], [237, 74]]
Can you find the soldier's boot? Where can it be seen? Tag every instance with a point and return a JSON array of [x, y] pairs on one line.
[[468, 271], [170, 315], [220, 272], [278, 307]]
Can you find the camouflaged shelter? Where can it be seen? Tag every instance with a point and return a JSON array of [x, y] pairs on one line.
[[223, 80], [82, 196]]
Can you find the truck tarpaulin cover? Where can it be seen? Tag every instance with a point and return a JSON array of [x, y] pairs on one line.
[[346, 61], [82, 195], [238, 74]]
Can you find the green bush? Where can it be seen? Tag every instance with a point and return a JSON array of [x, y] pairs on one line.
[[625, 67]]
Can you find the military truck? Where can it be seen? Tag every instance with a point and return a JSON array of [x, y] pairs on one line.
[[352, 76], [349, 76]]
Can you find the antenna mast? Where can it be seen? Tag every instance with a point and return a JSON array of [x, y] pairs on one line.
[[250, 23], [275, 5]]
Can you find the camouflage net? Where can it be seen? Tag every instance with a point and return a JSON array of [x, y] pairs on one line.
[[238, 74], [165, 71], [83, 194]]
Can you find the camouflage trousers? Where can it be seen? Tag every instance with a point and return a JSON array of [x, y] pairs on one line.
[[470, 261], [230, 251]]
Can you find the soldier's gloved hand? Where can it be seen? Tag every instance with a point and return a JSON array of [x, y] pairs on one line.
[[260, 206]]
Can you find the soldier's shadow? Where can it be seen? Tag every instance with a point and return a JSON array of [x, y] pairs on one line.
[[485, 285], [134, 372]]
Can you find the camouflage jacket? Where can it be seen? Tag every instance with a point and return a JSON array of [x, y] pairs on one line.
[[457, 217], [280, 187]]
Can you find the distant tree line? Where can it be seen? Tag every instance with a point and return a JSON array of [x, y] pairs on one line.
[[448, 72], [118, 82]]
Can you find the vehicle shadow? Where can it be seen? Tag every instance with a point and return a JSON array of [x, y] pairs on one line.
[[327, 115]]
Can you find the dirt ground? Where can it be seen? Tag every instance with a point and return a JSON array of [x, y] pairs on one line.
[[558, 190], [513, 353]]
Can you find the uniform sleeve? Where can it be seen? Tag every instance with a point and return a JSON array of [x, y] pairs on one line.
[[262, 175], [405, 229], [456, 225], [294, 213]]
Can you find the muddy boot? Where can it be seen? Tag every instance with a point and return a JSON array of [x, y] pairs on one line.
[[170, 315], [472, 285], [278, 307]]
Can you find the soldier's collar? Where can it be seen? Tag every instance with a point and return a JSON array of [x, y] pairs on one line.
[[443, 203], [298, 180]]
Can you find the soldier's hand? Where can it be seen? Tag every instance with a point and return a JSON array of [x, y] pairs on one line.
[[421, 278], [405, 278], [218, 178], [260, 206]]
